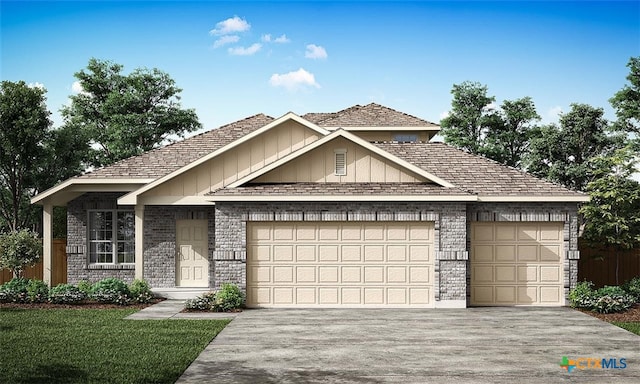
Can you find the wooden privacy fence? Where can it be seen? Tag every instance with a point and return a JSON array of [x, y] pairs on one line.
[[599, 265], [58, 266]]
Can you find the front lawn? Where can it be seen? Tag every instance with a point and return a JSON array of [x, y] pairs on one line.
[[97, 346], [631, 326]]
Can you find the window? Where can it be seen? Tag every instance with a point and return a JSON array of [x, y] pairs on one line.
[[341, 162], [111, 237], [405, 138]]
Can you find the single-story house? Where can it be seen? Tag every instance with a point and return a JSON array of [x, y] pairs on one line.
[[348, 209]]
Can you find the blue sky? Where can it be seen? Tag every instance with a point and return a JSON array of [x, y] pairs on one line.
[[326, 56]]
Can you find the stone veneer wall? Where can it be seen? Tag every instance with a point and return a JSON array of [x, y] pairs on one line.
[[78, 267], [160, 241], [534, 212], [450, 234]]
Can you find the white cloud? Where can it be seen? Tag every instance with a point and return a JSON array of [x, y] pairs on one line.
[[554, 112], [231, 25], [76, 87], [36, 85], [492, 106], [224, 40], [444, 115], [315, 52], [267, 38], [282, 39], [294, 80], [248, 51]]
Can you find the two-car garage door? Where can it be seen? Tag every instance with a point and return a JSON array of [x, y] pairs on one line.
[[517, 264], [329, 264]]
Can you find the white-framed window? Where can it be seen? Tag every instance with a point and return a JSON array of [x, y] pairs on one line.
[[341, 162], [111, 237]]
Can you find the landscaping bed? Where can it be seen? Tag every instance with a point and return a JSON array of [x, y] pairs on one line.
[[83, 305], [632, 315]]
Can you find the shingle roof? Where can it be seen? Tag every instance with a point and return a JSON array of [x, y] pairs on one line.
[[473, 173], [340, 189], [370, 115], [162, 161]]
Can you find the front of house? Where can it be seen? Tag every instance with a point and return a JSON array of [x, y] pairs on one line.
[[348, 209]]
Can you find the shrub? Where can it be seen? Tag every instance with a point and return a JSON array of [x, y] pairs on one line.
[[140, 291], [112, 291], [15, 291], [582, 295], [632, 287], [228, 298], [19, 249], [37, 291], [85, 287], [612, 299], [205, 302], [66, 294]]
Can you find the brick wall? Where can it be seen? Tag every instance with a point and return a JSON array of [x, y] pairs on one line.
[[449, 223], [78, 267]]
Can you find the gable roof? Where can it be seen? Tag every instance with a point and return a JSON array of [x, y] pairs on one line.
[[370, 115], [477, 174], [353, 138], [162, 161]]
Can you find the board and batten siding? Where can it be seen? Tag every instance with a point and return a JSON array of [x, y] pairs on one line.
[[318, 166], [238, 162]]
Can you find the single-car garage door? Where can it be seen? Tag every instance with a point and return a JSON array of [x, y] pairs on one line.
[[516, 264], [329, 264]]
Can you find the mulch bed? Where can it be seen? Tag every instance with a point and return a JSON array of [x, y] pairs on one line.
[[84, 305], [632, 314]]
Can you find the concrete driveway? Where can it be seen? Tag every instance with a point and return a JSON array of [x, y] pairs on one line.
[[475, 345]]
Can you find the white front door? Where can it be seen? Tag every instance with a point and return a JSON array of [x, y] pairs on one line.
[[192, 269]]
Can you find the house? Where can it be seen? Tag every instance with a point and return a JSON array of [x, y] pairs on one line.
[[348, 209]]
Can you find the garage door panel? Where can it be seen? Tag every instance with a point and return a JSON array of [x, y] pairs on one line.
[[523, 270], [283, 253], [305, 253], [550, 274], [505, 253], [550, 253], [505, 274], [352, 264], [351, 253]]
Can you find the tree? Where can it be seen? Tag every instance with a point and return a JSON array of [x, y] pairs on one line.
[[508, 140], [125, 115], [24, 125], [561, 154], [470, 117], [612, 216], [19, 249], [626, 102]]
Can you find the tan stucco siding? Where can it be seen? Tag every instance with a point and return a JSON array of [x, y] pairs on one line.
[[319, 166], [238, 162]]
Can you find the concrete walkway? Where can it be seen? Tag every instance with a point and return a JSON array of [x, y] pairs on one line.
[[170, 309], [476, 345]]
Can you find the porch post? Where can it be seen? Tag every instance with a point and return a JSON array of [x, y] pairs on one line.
[[47, 241], [139, 246]]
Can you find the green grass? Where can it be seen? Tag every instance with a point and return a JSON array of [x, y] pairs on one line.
[[97, 346], [633, 326]]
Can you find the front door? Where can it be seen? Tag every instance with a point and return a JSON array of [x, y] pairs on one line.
[[192, 269]]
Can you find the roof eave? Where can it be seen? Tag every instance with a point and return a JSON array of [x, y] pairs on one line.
[[350, 198], [532, 199]]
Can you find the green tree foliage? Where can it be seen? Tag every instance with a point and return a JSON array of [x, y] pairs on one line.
[[125, 115], [19, 249], [626, 102], [470, 117], [561, 153], [508, 139], [24, 128], [612, 216]]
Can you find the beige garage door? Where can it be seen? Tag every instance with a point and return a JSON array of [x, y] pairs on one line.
[[516, 264], [309, 264]]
